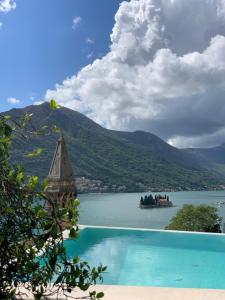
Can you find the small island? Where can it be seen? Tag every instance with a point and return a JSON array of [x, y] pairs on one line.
[[148, 201]]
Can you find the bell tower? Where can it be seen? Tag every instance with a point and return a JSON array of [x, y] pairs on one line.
[[61, 180]]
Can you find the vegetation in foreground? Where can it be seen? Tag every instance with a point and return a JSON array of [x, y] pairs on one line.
[[28, 231], [201, 218]]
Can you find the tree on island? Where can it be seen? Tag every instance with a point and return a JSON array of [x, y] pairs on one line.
[[202, 218], [33, 257], [149, 200]]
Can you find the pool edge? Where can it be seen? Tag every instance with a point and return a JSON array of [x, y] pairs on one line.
[[81, 227]]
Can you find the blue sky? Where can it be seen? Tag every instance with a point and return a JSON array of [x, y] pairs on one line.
[[40, 46], [162, 70]]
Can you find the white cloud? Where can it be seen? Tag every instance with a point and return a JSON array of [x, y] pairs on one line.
[[7, 5], [90, 55], [76, 21], [13, 100], [164, 73], [90, 41], [38, 102], [1, 24]]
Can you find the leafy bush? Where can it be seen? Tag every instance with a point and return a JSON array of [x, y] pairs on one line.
[[32, 251], [196, 218]]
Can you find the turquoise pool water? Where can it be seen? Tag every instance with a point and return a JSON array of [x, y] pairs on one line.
[[154, 258]]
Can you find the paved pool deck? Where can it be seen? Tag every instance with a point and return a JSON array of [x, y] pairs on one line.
[[116, 292]]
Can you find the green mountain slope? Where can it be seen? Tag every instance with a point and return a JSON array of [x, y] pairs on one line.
[[214, 154], [137, 160], [212, 158], [157, 146]]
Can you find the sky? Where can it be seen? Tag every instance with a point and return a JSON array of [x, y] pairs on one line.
[[153, 65], [42, 42]]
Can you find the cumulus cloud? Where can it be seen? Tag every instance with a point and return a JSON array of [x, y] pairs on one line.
[[205, 140], [76, 21], [13, 100], [164, 73], [7, 5]]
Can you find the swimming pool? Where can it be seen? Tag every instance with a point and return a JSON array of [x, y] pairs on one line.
[[154, 258]]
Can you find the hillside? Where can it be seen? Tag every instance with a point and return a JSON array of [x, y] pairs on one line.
[[212, 158], [133, 161], [157, 146]]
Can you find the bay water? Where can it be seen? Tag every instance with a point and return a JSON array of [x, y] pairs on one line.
[[122, 209]]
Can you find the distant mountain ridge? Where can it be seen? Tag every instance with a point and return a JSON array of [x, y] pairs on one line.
[[212, 158], [130, 160]]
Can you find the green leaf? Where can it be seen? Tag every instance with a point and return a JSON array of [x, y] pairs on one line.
[[92, 294], [100, 295], [9, 210], [44, 183], [44, 127], [41, 213], [76, 260], [20, 177], [84, 287], [56, 129], [55, 230], [8, 130], [54, 105], [5, 140], [35, 152], [73, 233], [33, 182]]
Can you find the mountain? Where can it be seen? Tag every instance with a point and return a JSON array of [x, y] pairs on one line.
[[157, 146], [128, 161], [212, 158]]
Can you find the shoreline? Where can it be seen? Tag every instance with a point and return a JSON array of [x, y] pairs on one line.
[[152, 191]]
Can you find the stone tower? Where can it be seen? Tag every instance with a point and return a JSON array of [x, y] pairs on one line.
[[61, 180]]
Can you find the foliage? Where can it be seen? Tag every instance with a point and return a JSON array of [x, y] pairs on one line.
[[149, 200], [32, 252], [54, 105], [203, 218]]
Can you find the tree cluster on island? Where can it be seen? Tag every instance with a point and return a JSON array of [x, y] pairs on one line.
[[155, 201]]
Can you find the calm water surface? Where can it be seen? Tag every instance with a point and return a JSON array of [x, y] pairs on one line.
[[153, 258], [122, 209]]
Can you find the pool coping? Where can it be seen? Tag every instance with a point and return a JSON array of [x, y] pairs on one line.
[[118, 292], [81, 227]]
